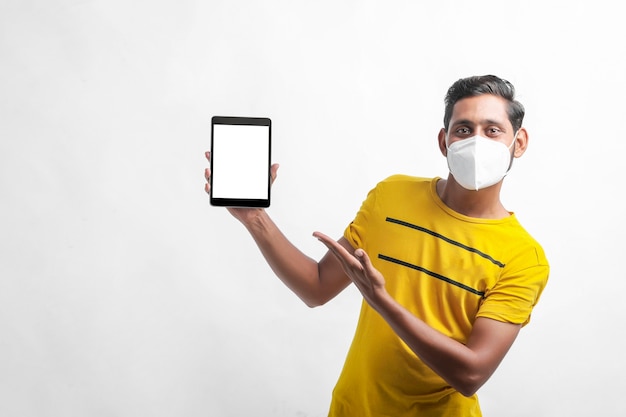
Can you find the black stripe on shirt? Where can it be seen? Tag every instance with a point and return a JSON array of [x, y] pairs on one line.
[[432, 274], [453, 242]]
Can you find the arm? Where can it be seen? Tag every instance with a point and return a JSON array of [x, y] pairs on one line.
[[315, 283], [465, 367]]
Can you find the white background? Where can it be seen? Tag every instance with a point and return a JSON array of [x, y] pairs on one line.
[[123, 293]]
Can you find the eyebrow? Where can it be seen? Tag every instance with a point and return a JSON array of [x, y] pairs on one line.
[[482, 122]]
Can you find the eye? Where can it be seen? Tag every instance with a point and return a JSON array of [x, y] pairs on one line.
[[463, 131], [494, 131]]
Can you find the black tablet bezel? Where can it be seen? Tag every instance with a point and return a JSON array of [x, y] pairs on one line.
[[250, 121]]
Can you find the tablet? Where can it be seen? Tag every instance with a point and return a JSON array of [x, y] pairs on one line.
[[240, 161]]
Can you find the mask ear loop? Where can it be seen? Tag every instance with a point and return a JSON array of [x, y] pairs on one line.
[[512, 153]]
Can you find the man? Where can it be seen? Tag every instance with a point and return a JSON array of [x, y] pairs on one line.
[[447, 274]]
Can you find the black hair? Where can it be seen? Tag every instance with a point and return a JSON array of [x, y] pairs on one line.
[[484, 84]]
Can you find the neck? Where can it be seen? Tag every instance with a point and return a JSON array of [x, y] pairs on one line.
[[483, 204]]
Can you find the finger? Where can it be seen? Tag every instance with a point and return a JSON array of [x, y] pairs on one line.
[[326, 243], [207, 154], [321, 236], [274, 172], [207, 177], [339, 251], [332, 244], [326, 240], [365, 260]]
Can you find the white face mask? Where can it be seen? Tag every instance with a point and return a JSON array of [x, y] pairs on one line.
[[478, 162]]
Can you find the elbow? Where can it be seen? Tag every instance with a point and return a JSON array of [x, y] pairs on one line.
[[468, 390], [316, 298], [310, 302], [312, 305], [468, 384], [313, 302]]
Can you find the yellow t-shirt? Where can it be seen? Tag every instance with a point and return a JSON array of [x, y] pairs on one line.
[[447, 269]]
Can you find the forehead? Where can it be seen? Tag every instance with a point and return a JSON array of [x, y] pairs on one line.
[[478, 109]]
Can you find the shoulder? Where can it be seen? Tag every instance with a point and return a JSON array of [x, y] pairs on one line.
[[406, 185], [402, 178], [524, 242], [404, 181], [399, 193]]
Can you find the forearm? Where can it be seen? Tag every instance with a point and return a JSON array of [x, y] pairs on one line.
[[296, 270], [464, 369]]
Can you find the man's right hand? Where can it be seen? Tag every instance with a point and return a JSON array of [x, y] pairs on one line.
[[244, 215], [315, 283]]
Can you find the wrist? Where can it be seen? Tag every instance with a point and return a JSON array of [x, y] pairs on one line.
[[382, 302], [256, 221]]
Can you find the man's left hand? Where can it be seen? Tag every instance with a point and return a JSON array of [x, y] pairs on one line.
[[358, 267]]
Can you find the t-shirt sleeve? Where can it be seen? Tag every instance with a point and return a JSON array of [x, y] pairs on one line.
[[356, 231], [517, 292]]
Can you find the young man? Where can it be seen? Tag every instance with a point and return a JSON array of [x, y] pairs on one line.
[[447, 274]]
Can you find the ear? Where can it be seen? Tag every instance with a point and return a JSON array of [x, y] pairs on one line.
[[441, 138], [521, 143]]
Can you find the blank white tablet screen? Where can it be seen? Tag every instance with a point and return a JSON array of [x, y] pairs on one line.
[[240, 161]]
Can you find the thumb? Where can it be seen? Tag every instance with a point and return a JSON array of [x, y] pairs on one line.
[[274, 172], [361, 255]]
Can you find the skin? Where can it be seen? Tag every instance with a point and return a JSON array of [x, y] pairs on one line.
[[465, 367], [483, 115]]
